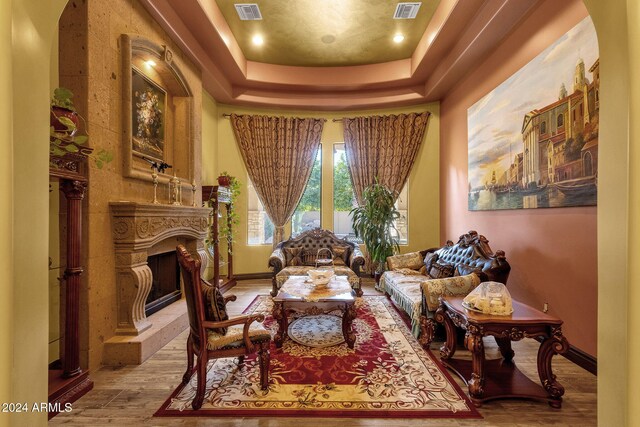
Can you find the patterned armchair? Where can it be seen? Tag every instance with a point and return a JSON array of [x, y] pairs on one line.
[[296, 256]]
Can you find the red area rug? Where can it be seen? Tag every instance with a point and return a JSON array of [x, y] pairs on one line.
[[386, 375]]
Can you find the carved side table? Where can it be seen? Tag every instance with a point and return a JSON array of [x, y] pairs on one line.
[[500, 378]]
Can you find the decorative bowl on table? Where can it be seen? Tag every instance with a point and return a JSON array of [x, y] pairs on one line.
[[320, 277]]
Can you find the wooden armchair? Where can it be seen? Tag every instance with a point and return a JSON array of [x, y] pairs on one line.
[[242, 336]]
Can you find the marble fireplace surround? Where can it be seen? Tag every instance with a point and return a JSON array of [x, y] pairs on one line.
[[140, 230]]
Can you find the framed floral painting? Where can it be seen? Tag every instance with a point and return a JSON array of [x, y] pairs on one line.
[[148, 116]]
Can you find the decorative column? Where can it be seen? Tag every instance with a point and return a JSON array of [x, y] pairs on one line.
[[74, 192]]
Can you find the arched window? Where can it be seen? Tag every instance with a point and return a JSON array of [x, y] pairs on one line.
[[543, 127], [560, 120]]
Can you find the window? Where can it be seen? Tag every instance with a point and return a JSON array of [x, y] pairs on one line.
[[403, 207], [307, 213], [560, 120], [260, 230], [343, 198], [543, 127]]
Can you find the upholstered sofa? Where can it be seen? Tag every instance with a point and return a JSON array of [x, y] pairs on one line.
[[415, 281], [298, 255]]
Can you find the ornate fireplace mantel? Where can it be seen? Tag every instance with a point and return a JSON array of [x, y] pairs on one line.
[[136, 229]]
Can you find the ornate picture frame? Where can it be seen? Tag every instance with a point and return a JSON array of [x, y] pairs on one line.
[[148, 67]]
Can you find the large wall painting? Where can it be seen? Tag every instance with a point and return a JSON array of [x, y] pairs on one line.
[[533, 140], [148, 111]]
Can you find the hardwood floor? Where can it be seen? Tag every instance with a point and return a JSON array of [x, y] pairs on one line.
[[129, 395]]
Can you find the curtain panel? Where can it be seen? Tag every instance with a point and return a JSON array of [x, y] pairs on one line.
[[278, 153], [382, 148]]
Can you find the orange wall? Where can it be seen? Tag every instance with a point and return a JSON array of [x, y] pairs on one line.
[[552, 252]]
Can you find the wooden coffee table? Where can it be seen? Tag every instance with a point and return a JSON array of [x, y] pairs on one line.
[[500, 378], [289, 302]]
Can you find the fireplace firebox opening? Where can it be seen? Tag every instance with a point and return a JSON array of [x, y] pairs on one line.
[[165, 288]]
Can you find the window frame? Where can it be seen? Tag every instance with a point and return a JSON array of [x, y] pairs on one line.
[[319, 153], [250, 185]]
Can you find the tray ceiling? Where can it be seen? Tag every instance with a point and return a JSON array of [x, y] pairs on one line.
[[327, 32], [357, 65]]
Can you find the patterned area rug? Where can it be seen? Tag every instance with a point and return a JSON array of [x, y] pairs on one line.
[[386, 375], [319, 331]]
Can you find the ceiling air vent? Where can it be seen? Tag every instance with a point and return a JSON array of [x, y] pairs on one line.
[[248, 12], [406, 10]]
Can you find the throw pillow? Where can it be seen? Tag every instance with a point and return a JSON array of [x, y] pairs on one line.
[[340, 253], [293, 256], [432, 290], [412, 260], [429, 259], [438, 271], [216, 309]]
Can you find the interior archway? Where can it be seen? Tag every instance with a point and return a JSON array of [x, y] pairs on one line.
[[24, 375]]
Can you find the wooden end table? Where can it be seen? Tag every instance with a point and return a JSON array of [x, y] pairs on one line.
[[286, 304], [500, 378]]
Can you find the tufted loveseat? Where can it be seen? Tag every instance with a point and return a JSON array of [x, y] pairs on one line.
[[296, 256], [454, 269]]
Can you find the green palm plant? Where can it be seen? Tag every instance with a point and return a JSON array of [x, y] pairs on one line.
[[373, 222]]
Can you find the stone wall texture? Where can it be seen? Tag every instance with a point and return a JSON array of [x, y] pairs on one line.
[[91, 66]]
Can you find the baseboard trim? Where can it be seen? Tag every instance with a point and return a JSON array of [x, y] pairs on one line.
[[580, 358], [250, 276]]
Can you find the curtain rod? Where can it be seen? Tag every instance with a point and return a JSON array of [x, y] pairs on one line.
[[227, 115]]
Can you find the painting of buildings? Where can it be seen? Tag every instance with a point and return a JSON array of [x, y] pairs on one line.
[[533, 141]]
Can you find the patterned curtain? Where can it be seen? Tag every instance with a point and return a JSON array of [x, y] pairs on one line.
[[382, 147], [278, 153]]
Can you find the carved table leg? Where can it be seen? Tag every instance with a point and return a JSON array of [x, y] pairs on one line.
[[274, 286], [427, 329], [473, 343], [448, 349], [505, 348], [347, 319], [555, 344], [281, 317]]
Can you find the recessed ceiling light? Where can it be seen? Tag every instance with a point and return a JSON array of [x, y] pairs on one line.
[[257, 40], [150, 63], [398, 38]]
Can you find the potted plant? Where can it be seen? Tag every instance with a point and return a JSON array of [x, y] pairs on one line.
[[224, 180], [64, 125], [373, 222], [227, 228]]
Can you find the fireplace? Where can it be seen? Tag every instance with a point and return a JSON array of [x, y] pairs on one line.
[[165, 284], [142, 231], [145, 236]]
